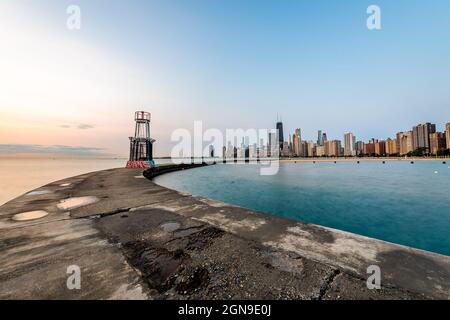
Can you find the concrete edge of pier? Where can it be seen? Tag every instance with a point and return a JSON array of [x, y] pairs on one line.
[[134, 239]]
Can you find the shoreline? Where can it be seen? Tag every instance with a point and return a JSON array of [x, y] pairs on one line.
[[230, 252], [381, 159]]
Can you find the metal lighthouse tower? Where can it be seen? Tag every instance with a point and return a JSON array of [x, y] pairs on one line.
[[141, 145]]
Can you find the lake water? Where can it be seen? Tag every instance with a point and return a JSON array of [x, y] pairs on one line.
[[398, 202], [20, 175]]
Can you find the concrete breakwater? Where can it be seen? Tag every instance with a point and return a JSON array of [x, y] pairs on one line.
[[159, 170], [133, 239]]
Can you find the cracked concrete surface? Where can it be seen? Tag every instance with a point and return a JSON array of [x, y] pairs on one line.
[[143, 241]]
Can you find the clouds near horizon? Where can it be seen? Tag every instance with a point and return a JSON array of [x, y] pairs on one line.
[[54, 149]]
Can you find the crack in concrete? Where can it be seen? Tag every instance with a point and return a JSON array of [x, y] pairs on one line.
[[104, 214], [327, 284]]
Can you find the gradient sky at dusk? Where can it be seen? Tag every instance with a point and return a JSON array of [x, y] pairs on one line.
[[232, 64]]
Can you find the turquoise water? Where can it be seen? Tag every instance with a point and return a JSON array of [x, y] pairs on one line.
[[398, 202]]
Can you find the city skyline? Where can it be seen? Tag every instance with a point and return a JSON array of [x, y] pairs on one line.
[[423, 139]]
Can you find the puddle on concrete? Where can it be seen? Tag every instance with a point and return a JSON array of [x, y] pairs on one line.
[[38, 192], [30, 215], [73, 203], [170, 226], [65, 184]]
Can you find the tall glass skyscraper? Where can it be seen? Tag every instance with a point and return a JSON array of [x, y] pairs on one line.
[[319, 138], [280, 134]]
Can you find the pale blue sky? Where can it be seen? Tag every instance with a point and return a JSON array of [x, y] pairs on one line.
[[237, 63]]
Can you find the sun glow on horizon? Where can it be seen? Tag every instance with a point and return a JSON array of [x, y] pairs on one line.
[[59, 89]]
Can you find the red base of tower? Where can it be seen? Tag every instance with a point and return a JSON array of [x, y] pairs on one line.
[[138, 165]]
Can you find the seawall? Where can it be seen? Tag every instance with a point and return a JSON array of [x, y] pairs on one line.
[[133, 239]]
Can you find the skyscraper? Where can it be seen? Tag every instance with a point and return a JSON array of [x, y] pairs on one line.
[[303, 149], [415, 137], [380, 148], [349, 144], [319, 138], [398, 141], [297, 139], [447, 135], [310, 149], [437, 142], [320, 151], [274, 145], [406, 142], [332, 148], [359, 148], [280, 134], [421, 136], [290, 143], [369, 148], [391, 146]]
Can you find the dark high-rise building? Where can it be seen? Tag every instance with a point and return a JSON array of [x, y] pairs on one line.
[[324, 138], [280, 134], [428, 128], [319, 138]]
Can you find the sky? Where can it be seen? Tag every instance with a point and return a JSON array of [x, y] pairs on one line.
[[229, 63]]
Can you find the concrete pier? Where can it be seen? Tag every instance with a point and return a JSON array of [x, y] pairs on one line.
[[133, 239]]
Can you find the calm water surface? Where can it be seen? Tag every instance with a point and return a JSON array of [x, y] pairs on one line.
[[398, 202], [20, 175]]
